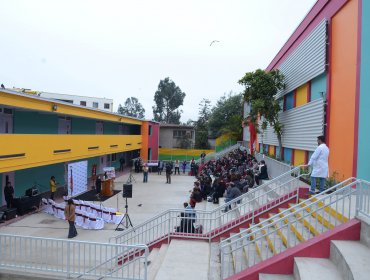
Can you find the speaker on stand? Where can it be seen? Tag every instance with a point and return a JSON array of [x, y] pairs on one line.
[[126, 193]]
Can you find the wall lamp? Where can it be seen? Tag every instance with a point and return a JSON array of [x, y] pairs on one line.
[[54, 107]]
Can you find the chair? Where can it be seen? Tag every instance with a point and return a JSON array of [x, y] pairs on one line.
[[106, 214], [59, 212], [79, 217], [95, 222]]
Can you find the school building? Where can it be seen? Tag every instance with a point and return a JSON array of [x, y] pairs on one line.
[[326, 63], [39, 137]]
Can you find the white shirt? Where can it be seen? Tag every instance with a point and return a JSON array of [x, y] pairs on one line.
[[319, 162]]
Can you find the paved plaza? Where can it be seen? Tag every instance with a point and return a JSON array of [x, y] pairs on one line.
[[154, 197]]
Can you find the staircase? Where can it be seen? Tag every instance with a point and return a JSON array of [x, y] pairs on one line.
[[297, 231], [349, 259]]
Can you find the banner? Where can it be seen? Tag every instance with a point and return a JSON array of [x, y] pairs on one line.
[[77, 178]]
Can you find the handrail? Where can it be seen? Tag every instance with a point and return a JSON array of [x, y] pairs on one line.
[[68, 258], [212, 219], [254, 237]]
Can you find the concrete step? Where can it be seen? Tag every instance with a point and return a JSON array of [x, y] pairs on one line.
[[296, 226], [155, 265], [214, 272], [228, 268], [315, 268], [263, 276], [351, 258], [184, 259], [309, 221], [238, 256], [287, 236], [272, 237]]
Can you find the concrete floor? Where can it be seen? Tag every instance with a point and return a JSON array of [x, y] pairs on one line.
[[155, 197]]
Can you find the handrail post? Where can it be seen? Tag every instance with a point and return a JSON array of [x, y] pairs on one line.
[[68, 259]]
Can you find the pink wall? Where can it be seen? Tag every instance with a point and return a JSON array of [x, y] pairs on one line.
[[153, 140]]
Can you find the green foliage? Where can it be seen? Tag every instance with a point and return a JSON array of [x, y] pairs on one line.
[[260, 90], [201, 125], [132, 108], [226, 116], [168, 98]]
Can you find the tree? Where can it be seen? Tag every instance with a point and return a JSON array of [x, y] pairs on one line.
[[168, 98], [260, 90], [226, 116], [201, 125], [132, 108]]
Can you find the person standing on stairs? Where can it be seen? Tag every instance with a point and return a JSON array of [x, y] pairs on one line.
[[319, 164]]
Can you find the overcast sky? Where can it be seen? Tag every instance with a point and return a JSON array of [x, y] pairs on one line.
[[119, 49]]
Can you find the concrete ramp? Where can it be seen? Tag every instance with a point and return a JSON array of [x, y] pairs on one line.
[[185, 260]]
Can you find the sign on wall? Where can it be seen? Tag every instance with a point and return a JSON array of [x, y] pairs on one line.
[[77, 178]]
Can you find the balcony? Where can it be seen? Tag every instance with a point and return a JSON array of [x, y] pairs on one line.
[[20, 151]]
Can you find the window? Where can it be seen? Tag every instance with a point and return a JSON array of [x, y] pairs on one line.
[[95, 105], [106, 105], [83, 103], [179, 133], [114, 157], [150, 130]]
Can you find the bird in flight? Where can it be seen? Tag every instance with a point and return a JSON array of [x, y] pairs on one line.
[[214, 41]]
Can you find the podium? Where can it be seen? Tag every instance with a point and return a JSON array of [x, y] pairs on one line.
[[107, 187]]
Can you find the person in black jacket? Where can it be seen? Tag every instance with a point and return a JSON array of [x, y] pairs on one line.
[[262, 174], [9, 193]]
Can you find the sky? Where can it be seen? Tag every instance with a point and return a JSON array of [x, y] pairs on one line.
[[118, 49]]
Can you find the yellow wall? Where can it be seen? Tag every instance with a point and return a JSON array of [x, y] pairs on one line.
[[299, 157], [29, 102], [222, 138], [39, 148], [271, 150], [194, 153], [301, 95]]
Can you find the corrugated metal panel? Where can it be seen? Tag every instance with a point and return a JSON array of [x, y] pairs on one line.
[[307, 61], [302, 125]]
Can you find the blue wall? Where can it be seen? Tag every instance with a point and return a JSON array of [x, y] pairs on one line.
[[318, 85], [288, 155], [83, 126], [289, 101], [364, 99], [35, 123], [25, 178]]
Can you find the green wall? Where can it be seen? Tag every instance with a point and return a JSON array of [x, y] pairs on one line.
[[26, 178], [34, 123], [110, 128], [318, 85], [90, 163], [83, 126]]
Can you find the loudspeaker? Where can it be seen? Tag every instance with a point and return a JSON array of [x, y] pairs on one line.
[[127, 190]]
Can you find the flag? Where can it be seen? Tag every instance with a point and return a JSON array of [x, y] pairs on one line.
[[71, 183]]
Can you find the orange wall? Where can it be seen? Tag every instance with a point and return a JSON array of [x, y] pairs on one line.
[[301, 95], [343, 89], [145, 141]]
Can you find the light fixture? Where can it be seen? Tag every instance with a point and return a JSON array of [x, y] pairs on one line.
[[54, 107]]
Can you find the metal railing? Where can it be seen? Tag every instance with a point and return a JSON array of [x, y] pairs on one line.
[[66, 258], [274, 167], [208, 224], [299, 223]]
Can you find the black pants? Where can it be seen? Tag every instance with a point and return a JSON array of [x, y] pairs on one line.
[[168, 178], [52, 195], [9, 201], [178, 170], [72, 230]]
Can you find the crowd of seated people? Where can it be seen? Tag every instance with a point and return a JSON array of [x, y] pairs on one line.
[[231, 175]]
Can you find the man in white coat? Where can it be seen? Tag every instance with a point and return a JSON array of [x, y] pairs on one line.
[[319, 163]]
